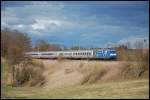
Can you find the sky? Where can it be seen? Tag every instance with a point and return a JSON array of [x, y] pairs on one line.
[[78, 23]]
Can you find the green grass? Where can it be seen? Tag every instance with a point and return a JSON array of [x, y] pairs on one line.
[[136, 89]]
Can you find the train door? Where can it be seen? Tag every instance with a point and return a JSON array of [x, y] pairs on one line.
[[106, 54]]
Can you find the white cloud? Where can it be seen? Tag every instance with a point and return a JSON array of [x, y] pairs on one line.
[[20, 26], [59, 19], [44, 24], [41, 17]]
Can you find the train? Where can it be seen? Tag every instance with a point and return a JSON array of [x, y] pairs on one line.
[[75, 54]]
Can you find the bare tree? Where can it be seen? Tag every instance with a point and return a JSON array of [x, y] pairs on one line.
[[44, 46], [14, 44], [139, 44]]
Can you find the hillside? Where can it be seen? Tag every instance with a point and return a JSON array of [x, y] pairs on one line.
[[86, 79], [137, 89], [75, 72]]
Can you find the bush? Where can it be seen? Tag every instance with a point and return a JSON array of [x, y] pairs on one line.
[[133, 54], [14, 44], [93, 74], [28, 73], [132, 71], [60, 58]]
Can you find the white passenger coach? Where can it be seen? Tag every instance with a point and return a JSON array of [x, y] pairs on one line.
[[65, 54]]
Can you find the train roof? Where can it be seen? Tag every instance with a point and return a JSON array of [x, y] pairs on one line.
[[72, 50], [61, 51]]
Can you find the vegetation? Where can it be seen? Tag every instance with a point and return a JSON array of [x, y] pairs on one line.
[[17, 69], [13, 45], [23, 74], [135, 89], [42, 45], [125, 54]]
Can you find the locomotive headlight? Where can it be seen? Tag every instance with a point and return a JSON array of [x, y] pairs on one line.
[[113, 54]]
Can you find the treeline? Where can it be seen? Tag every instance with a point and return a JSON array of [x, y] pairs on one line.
[[14, 44], [125, 54], [42, 45]]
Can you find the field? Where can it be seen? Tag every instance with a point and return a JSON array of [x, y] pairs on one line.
[[86, 79], [136, 89]]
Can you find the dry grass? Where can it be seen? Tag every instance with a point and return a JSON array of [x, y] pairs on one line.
[[135, 89], [133, 54], [24, 73], [93, 73], [135, 70], [82, 79], [77, 72], [55, 74]]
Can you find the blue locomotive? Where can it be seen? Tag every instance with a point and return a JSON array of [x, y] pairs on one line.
[[106, 54]]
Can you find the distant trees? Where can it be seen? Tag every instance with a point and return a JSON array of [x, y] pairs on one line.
[[77, 48], [42, 45], [14, 44], [139, 44]]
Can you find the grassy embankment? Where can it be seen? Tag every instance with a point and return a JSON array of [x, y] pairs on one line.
[[125, 89], [89, 87]]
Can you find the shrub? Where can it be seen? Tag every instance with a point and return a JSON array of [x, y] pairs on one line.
[[14, 44], [27, 72], [133, 54], [93, 74], [60, 58], [130, 71]]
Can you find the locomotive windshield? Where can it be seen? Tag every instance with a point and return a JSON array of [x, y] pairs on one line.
[[113, 51]]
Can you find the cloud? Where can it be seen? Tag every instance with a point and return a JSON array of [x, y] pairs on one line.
[[46, 24], [88, 23]]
